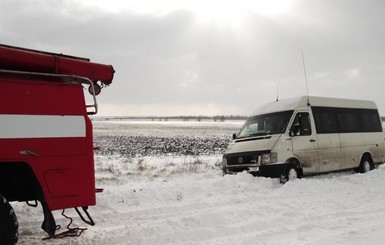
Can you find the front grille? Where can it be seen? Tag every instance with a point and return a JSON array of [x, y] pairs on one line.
[[243, 158]]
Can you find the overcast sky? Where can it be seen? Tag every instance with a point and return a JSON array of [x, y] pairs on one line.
[[204, 57]]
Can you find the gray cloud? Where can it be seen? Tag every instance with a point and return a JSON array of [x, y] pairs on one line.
[[175, 64]]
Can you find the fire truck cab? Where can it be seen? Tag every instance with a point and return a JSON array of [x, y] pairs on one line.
[[46, 140]]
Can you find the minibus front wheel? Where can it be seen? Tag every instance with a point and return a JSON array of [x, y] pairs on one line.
[[290, 173], [366, 164]]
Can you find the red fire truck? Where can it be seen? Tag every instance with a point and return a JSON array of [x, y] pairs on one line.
[[46, 140]]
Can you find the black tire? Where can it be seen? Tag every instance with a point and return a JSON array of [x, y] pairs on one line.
[[365, 165], [8, 223], [291, 173]]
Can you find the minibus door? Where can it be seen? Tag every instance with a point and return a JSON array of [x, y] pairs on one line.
[[304, 142], [329, 152], [328, 137]]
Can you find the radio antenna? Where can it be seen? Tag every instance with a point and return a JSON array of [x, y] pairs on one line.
[[277, 93], [304, 70]]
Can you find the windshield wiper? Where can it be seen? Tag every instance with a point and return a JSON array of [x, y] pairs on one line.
[[254, 135]]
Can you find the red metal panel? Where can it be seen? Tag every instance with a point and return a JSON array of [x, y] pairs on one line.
[[41, 98], [64, 167]]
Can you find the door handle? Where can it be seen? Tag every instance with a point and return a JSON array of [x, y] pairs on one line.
[[28, 153], [312, 140]]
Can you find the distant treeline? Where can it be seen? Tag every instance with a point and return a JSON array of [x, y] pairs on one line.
[[219, 118]]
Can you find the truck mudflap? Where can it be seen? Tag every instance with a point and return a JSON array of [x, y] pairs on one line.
[[49, 224]]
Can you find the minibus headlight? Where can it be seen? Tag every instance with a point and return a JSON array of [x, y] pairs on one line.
[[265, 158], [271, 157]]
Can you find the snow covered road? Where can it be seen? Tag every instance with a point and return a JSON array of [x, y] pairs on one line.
[[206, 208]]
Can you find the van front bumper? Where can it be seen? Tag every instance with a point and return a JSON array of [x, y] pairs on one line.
[[273, 170]]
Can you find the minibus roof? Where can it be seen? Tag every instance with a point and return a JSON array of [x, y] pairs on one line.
[[303, 101]]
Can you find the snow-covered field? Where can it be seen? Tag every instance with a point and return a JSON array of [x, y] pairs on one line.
[[157, 192]]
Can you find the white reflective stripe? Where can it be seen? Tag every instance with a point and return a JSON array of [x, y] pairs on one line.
[[41, 126]]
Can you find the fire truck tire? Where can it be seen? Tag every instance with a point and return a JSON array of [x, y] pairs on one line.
[[8, 223]]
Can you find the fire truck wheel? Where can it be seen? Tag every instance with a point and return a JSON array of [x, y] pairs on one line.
[[8, 223]]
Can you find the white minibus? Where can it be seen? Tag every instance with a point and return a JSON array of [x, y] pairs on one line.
[[291, 138]]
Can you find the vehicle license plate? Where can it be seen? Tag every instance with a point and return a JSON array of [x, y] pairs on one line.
[[253, 169]]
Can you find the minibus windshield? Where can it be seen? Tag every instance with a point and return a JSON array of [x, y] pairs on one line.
[[273, 123]]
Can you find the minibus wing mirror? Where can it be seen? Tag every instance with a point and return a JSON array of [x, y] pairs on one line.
[[234, 136]]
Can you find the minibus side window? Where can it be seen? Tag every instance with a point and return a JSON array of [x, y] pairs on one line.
[[301, 125], [326, 121], [346, 120], [371, 121]]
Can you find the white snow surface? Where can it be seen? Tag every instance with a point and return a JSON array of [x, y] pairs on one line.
[[186, 200]]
